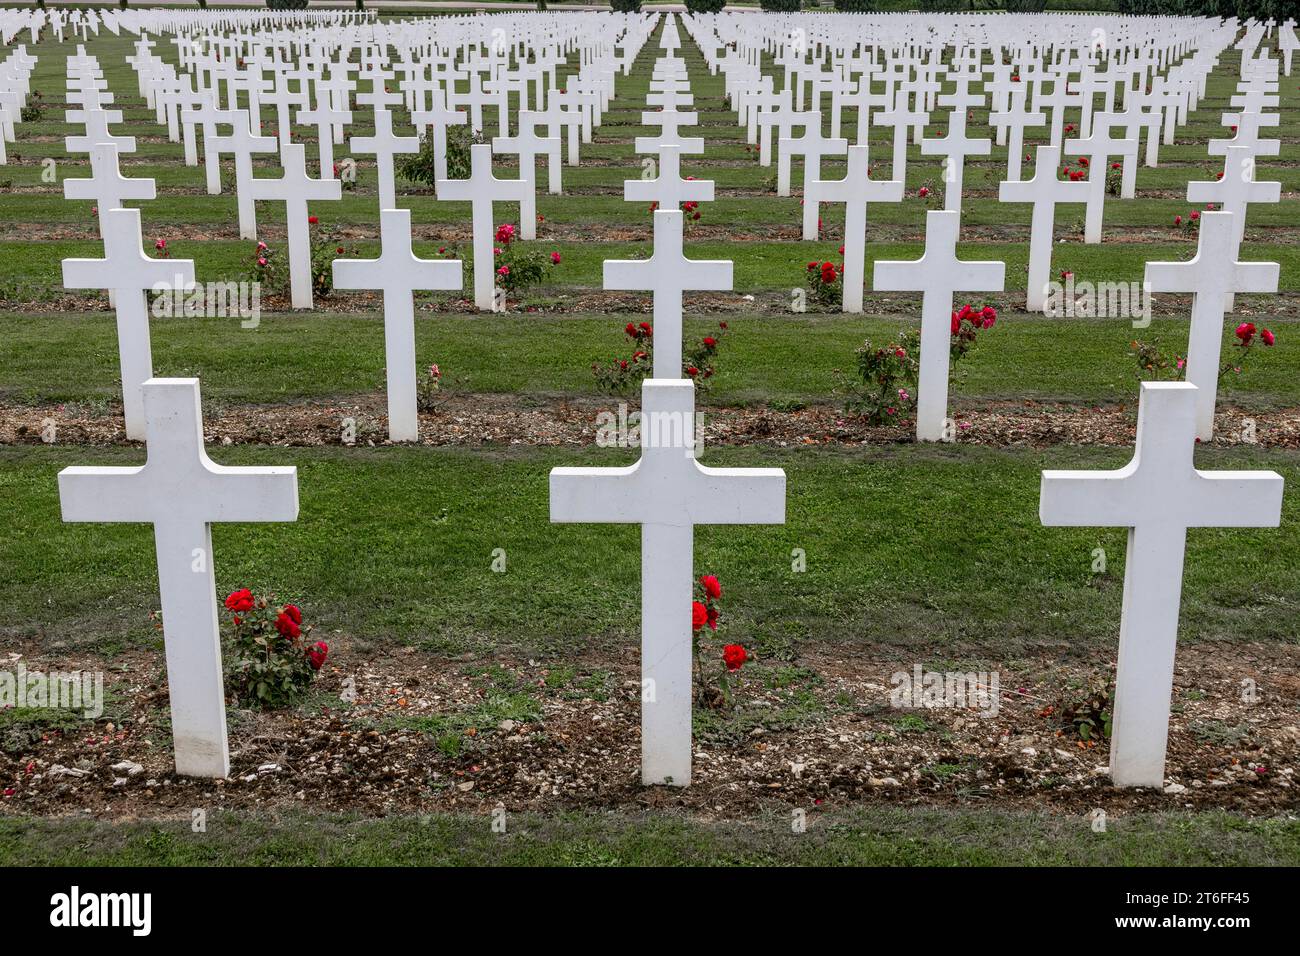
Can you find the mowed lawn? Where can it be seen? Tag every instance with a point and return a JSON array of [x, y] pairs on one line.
[[924, 552]]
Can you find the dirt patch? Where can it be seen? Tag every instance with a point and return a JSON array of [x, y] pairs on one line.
[[498, 419], [427, 733]]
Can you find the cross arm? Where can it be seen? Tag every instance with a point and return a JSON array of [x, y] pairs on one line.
[[600, 495], [737, 496], [1256, 498], [1085, 499], [248, 493], [102, 494]]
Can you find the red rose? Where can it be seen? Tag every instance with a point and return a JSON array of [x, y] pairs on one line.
[[313, 220], [711, 586], [294, 614], [1245, 331], [710, 342], [734, 656], [713, 618], [699, 615], [240, 601], [286, 626], [317, 653], [630, 329], [1195, 215], [1178, 220], [956, 324], [692, 371], [1267, 336]]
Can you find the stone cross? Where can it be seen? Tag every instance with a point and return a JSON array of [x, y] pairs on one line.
[[855, 190], [324, 117], [128, 273], [667, 273], [295, 189], [243, 144], [96, 122], [955, 146], [1157, 496], [1044, 191], [1099, 147], [812, 146], [668, 189], [482, 189], [937, 275], [1210, 277], [397, 273], [437, 119], [667, 492], [527, 145], [384, 145], [106, 185], [181, 492], [1015, 119]]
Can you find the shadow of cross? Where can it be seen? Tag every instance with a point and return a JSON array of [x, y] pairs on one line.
[[127, 273], [181, 493], [667, 492], [1211, 276], [1157, 496], [667, 273]]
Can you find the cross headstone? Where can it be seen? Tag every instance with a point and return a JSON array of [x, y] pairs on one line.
[[1210, 277], [482, 189], [1099, 147], [398, 272], [295, 189], [667, 492], [668, 188], [106, 185], [182, 493], [384, 145], [128, 273], [243, 144], [667, 273], [855, 190], [1044, 191], [1157, 496], [937, 275]]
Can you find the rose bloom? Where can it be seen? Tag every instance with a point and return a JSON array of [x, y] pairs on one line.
[[312, 220], [1267, 336], [734, 656], [1245, 331], [317, 654], [240, 601], [710, 342], [699, 615], [711, 586], [555, 258]]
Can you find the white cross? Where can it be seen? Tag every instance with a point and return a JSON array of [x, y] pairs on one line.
[[439, 118], [1044, 191], [667, 492], [1015, 119], [1210, 277], [668, 189], [398, 272], [1236, 189], [128, 273], [482, 189], [243, 144], [937, 275], [955, 146], [855, 190], [295, 189], [669, 122], [106, 185], [812, 146], [1099, 147], [182, 493], [530, 122], [1157, 496], [96, 122], [384, 145], [667, 273], [528, 146], [324, 117], [902, 119]]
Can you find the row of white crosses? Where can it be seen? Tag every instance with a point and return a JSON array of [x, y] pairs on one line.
[[15, 86], [667, 492]]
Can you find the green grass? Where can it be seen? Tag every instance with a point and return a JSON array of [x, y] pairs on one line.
[[884, 836], [906, 547], [292, 358]]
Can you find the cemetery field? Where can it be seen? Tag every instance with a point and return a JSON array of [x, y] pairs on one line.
[[480, 655]]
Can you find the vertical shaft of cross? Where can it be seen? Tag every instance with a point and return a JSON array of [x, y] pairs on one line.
[[195, 686], [666, 657]]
